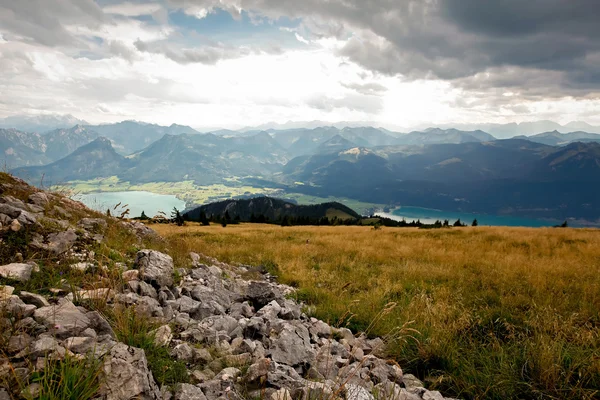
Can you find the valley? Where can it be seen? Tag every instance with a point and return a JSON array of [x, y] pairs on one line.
[[548, 176]]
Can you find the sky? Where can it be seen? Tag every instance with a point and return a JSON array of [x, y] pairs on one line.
[[234, 63]]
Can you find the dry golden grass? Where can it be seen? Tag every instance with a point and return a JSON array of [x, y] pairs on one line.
[[500, 312]]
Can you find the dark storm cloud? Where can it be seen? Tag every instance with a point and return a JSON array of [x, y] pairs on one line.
[[456, 39]]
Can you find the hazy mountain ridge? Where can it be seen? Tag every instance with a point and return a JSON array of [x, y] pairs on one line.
[[93, 160], [440, 168], [40, 123], [28, 148]]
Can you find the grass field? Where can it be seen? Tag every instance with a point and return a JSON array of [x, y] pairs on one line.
[[479, 313]]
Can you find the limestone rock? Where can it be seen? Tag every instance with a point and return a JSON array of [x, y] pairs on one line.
[[35, 299], [155, 267], [292, 345], [355, 392], [93, 224], [5, 292], [184, 391], [63, 319], [41, 199], [15, 225], [126, 375], [262, 293], [163, 336], [17, 271]]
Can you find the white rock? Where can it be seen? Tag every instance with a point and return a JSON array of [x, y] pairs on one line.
[[16, 271]]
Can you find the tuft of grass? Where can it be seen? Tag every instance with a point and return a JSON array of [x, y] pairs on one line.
[[479, 313], [69, 378], [135, 330]]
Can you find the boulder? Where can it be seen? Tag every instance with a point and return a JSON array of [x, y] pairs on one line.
[[356, 392], [63, 319], [57, 243], [93, 224], [292, 345], [140, 230], [6, 291], [261, 293], [126, 375], [155, 267], [163, 336], [185, 391], [35, 299], [79, 345], [17, 271], [40, 199]]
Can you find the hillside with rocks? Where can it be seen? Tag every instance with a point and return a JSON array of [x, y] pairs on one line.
[[107, 307]]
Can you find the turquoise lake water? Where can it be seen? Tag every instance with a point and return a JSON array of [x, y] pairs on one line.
[[429, 216], [137, 201]]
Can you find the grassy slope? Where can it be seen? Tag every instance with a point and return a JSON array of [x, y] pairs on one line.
[[499, 313]]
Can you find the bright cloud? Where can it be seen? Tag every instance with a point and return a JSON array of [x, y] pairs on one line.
[[235, 63]]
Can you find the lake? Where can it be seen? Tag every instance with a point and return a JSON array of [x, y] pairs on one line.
[[429, 216], [138, 201]]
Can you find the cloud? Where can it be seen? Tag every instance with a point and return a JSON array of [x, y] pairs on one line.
[[452, 39], [372, 88], [208, 55], [132, 9], [351, 102], [45, 21]]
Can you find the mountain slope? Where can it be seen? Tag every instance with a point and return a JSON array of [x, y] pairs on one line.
[[62, 142], [446, 136], [95, 159], [205, 159], [555, 138], [21, 148], [271, 208], [131, 136], [507, 176]]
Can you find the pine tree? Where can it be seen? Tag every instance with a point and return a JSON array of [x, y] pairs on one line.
[[475, 223], [176, 215]]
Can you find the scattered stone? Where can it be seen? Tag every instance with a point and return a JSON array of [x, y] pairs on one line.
[[131, 275], [79, 345], [5, 292], [63, 319], [35, 299], [40, 199], [126, 375], [412, 382], [93, 224], [17, 271], [163, 336], [185, 391], [155, 267], [262, 293], [15, 225], [183, 352]]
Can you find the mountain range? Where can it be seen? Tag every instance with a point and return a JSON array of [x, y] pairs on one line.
[[550, 174]]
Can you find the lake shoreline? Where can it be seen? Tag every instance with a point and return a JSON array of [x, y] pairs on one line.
[[430, 216]]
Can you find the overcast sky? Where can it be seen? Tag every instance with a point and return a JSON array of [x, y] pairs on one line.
[[246, 62]]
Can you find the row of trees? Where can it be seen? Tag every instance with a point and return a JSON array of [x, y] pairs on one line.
[[288, 220]]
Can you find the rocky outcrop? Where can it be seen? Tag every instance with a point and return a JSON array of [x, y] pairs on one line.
[[234, 335], [17, 271], [126, 375], [155, 267]]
